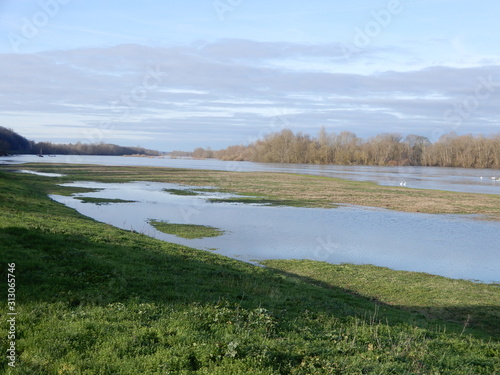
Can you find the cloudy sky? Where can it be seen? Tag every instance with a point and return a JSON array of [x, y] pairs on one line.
[[177, 75]]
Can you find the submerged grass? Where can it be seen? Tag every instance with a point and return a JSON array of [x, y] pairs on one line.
[[259, 201], [95, 299], [102, 200], [181, 192], [189, 231]]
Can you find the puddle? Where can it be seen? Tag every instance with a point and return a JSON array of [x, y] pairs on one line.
[[448, 245], [40, 173]]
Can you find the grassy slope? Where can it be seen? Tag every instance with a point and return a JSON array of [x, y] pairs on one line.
[[434, 297], [93, 299]]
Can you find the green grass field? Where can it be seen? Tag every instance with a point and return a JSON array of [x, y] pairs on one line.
[[94, 299]]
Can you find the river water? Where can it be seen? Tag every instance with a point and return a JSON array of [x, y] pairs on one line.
[[485, 181], [448, 245]]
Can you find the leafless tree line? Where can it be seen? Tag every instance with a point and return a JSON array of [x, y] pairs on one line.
[[90, 149], [451, 150]]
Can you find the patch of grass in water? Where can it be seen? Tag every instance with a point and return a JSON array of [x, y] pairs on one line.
[[189, 231], [265, 201], [207, 190], [181, 192], [100, 201], [70, 190]]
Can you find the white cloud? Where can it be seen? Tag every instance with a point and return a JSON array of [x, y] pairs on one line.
[[231, 90]]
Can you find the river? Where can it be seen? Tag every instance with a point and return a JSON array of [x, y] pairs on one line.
[[454, 246]]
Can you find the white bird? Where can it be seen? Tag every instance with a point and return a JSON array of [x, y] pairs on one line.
[[481, 177], [493, 178], [403, 183]]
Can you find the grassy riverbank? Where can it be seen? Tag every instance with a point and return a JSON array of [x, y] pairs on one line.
[[94, 299]]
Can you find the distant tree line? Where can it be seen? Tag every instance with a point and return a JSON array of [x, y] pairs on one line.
[[10, 142], [179, 154], [198, 153], [13, 143], [451, 150]]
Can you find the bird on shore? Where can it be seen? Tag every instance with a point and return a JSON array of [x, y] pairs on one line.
[[403, 183]]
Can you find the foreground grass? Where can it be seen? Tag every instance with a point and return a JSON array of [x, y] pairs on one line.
[[469, 304], [189, 231], [292, 189], [94, 299]]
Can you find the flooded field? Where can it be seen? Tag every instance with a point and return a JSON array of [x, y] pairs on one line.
[[449, 245], [472, 180]]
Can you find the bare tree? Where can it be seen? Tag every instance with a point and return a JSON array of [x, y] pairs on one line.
[[450, 150]]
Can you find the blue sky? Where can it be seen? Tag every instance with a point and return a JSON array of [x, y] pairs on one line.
[[178, 75]]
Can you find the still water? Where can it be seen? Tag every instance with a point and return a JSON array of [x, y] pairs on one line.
[[485, 181], [449, 245]]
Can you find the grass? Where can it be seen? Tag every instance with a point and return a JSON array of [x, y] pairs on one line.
[[102, 200], [189, 231], [94, 299], [181, 192], [257, 200], [431, 296], [71, 190]]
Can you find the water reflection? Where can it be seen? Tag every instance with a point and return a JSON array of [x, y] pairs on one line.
[[44, 174], [448, 245]]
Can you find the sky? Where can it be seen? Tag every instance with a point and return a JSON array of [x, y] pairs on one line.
[[172, 75]]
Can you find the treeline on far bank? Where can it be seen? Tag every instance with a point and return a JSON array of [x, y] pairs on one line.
[[13, 143], [451, 150]]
